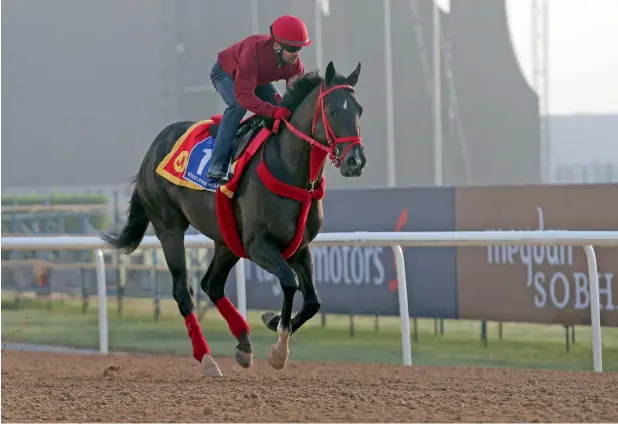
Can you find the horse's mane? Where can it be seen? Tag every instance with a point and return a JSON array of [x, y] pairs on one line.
[[300, 87]]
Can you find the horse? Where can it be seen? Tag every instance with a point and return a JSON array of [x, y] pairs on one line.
[[269, 216]]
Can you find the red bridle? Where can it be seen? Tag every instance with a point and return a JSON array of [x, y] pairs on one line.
[[316, 184], [331, 138]]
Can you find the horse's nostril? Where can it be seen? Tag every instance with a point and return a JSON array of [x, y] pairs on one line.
[[353, 162]]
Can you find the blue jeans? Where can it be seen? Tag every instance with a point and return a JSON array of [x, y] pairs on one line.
[[234, 112]]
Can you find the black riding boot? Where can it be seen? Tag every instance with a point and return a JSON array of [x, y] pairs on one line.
[[217, 171]]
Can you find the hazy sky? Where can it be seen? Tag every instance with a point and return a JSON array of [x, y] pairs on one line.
[[583, 63]]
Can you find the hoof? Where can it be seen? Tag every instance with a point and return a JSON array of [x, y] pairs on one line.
[[278, 357], [270, 320], [211, 369], [244, 359]]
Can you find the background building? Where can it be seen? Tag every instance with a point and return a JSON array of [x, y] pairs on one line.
[[87, 86]]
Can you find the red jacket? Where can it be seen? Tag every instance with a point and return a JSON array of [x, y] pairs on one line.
[[253, 62]]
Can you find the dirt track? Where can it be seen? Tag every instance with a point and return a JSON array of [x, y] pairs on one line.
[[39, 386]]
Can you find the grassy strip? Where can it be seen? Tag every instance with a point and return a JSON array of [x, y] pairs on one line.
[[523, 345]]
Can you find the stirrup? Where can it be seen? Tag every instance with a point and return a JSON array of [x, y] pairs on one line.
[[228, 174]]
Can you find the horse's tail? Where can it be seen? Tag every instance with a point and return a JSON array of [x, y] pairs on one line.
[[134, 230]]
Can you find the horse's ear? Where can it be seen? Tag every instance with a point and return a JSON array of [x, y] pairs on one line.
[[330, 73], [352, 79]]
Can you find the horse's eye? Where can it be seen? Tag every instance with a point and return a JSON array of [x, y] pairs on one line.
[[331, 110]]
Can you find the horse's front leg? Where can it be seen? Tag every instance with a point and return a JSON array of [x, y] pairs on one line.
[[302, 263], [266, 254]]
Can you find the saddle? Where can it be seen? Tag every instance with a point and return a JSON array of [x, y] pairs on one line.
[[244, 134]]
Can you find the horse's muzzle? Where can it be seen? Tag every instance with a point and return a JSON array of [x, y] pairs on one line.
[[354, 162]]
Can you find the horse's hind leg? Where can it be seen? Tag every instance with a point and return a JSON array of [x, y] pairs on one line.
[[302, 263], [172, 241], [213, 283]]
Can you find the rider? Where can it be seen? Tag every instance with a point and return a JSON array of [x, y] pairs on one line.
[[243, 75]]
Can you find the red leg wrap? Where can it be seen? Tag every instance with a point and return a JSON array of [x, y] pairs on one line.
[[235, 320], [200, 347]]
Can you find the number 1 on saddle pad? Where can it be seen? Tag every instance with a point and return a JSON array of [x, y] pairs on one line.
[[198, 164]]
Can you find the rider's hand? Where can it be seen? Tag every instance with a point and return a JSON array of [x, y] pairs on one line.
[[282, 113]]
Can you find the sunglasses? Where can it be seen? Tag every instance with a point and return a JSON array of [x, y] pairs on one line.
[[291, 49]]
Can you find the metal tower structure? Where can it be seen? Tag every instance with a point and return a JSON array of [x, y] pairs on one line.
[[540, 79]]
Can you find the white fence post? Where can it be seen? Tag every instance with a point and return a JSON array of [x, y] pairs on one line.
[[595, 309], [102, 294], [396, 240], [241, 288], [404, 310]]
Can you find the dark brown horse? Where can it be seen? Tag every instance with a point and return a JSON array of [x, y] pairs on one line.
[[280, 185]]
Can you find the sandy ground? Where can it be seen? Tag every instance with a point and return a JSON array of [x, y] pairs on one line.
[[45, 386]]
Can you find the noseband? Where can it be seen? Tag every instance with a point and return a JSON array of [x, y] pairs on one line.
[[331, 138]]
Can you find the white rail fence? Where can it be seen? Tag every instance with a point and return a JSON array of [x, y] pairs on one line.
[[395, 240]]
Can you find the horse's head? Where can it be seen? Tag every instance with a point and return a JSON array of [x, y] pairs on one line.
[[328, 115], [338, 124]]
